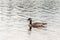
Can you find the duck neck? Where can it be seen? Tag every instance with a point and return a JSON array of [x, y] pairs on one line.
[[31, 22]]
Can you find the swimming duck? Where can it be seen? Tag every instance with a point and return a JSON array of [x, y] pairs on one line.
[[35, 24]]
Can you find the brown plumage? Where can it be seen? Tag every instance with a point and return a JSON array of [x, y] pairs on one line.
[[35, 24]]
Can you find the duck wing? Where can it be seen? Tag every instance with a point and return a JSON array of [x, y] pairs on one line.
[[39, 23], [36, 25]]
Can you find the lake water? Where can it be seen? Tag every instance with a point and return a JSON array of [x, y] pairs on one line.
[[14, 24]]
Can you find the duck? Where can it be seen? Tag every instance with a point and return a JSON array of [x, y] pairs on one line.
[[35, 24]]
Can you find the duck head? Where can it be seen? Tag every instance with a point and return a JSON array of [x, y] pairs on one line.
[[30, 20]]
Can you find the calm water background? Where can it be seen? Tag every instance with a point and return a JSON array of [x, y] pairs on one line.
[[14, 24]]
